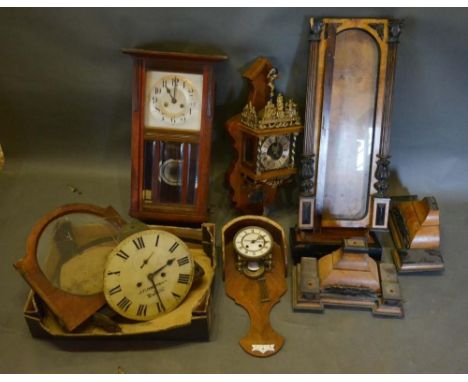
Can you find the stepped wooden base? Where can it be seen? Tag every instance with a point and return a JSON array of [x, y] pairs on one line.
[[308, 295]]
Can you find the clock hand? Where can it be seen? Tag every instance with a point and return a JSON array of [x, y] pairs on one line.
[[150, 278], [146, 260], [173, 100], [169, 262]]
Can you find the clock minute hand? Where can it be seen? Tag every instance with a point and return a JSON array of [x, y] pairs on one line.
[[151, 279], [173, 99]]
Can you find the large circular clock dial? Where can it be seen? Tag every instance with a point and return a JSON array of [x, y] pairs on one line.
[[148, 274], [274, 152], [173, 99], [253, 242]]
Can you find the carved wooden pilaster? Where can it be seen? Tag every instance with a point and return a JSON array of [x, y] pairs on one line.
[[382, 172], [308, 156], [307, 175]]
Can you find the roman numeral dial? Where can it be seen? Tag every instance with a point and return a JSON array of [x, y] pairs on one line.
[[148, 274]]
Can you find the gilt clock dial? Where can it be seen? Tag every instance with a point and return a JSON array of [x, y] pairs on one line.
[[148, 274], [275, 152], [253, 242], [173, 100]]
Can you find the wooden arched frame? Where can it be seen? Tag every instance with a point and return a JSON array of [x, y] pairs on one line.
[[72, 310], [385, 33]]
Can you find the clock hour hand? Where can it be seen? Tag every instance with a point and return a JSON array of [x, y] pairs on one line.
[[169, 262]]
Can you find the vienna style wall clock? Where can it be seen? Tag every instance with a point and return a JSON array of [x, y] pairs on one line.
[[172, 115]]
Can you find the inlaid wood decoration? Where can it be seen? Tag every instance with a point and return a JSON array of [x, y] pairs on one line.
[[172, 116]]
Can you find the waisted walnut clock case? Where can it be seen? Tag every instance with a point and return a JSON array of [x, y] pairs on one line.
[[172, 115]]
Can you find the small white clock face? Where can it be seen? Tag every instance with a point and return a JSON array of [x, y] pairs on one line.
[[173, 100], [253, 242], [148, 274], [275, 152]]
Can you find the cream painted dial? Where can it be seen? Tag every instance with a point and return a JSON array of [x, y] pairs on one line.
[[275, 152], [253, 242], [173, 100], [148, 274]]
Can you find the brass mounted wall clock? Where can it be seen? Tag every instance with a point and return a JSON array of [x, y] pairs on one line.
[[172, 116], [264, 137]]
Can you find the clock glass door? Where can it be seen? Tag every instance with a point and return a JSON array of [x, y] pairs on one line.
[[347, 135], [170, 172]]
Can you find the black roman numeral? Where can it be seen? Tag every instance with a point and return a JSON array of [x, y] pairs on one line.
[[139, 243], [183, 278], [113, 273], [175, 295], [142, 310], [124, 303], [157, 241], [123, 255], [183, 261], [160, 307], [115, 290], [174, 247]]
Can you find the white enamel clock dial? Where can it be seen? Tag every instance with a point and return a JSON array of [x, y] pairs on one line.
[[173, 100], [253, 242], [274, 152], [148, 274]]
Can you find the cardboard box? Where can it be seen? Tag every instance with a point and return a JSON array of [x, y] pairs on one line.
[[194, 326]]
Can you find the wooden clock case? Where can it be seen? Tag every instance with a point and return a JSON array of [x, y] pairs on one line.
[[188, 209], [252, 188], [261, 340], [344, 168]]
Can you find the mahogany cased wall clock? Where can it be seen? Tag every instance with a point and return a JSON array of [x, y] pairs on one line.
[[172, 116]]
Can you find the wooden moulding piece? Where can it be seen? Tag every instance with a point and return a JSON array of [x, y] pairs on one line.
[[72, 310], [414, 226], [261, 340]]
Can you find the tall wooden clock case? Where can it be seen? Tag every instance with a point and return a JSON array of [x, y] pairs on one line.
[[172, 116]]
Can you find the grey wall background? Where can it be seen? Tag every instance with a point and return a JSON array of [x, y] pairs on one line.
[[65, 121], [65, 86]]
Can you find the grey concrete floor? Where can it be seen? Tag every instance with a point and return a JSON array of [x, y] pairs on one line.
[[433, 336]]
